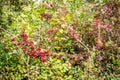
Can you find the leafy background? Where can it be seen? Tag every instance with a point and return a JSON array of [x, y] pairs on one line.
[[69, 31]]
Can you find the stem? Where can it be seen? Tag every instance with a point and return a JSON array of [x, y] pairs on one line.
[[99, 31], [84, 46], [27, 64]]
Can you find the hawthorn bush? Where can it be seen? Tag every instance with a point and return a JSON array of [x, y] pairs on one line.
[[59, 40]]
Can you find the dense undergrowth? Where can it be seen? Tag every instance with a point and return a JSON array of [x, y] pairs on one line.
[[60, 40]]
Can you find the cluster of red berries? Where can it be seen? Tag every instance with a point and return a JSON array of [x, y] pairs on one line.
[[29, 48]]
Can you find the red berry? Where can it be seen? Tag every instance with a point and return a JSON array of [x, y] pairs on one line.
[[32, 55], [31, 42], [19, 43], [15, 44], [25, 38], [43, 59], [46, 51], [24, 48], [12, 39], [25, 42], [39, 48], [41, 54], [23, 34], [32, 47], [35, 52]]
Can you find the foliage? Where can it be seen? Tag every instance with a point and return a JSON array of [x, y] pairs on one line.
[[59, 40]]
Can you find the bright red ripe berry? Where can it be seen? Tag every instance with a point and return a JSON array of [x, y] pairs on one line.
[[23, 34], [32, 55], [41, 54], [32, 47], [25, 38], [35, 52]]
